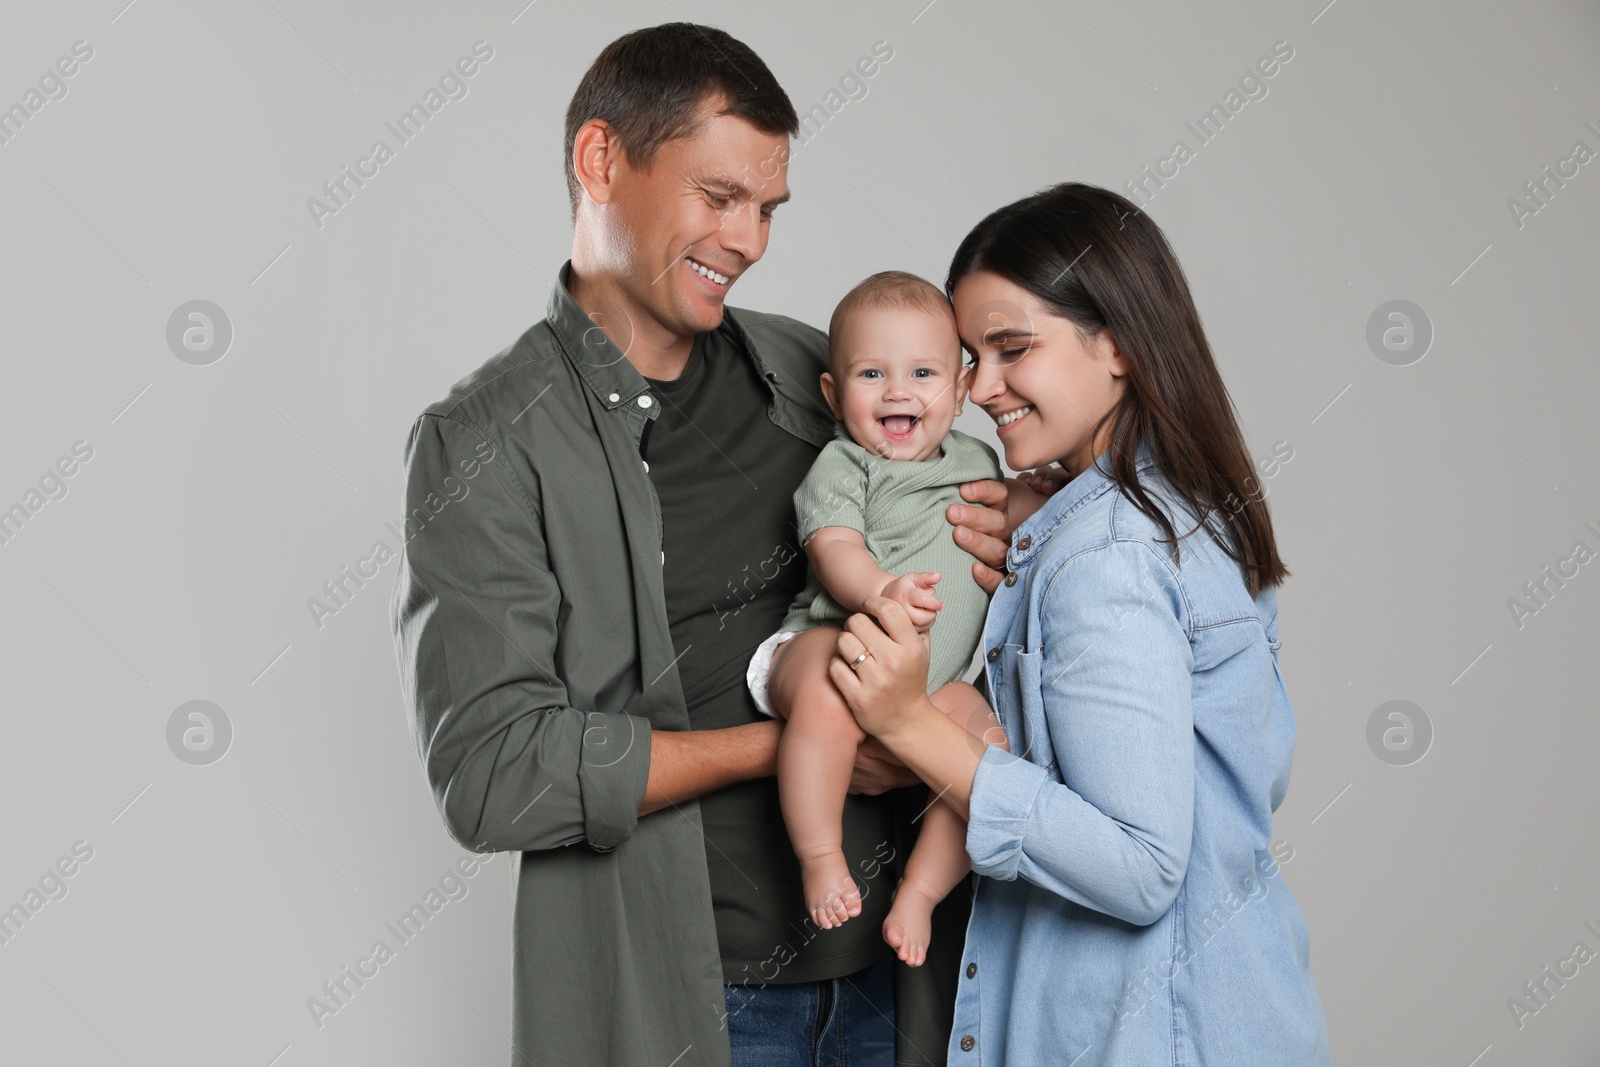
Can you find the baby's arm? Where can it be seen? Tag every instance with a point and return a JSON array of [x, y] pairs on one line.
[[841, 562]]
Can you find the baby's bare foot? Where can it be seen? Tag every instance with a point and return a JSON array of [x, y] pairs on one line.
[[909, 927], [831, 894]]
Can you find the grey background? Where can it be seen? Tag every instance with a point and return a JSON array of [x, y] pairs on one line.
[[219, 498]]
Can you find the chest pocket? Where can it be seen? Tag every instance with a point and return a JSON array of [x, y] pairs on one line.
[[1027, 728]]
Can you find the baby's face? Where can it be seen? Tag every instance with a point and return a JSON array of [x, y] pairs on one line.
[[898, 383]]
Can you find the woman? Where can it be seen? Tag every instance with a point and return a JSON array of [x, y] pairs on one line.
[[1129, 909]]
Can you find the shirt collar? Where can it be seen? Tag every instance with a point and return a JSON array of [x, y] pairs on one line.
[[609, 374], [614, 381], [1032, 533]]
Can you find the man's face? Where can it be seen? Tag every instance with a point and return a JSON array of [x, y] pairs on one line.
[[698, 218]]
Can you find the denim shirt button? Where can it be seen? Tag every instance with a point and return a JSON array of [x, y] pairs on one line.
[[1023, 543], [1011, 579], [994, 654], [972, 970], [967, 1043]]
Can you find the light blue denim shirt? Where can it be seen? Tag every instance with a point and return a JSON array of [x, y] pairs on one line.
[[1129, 909]]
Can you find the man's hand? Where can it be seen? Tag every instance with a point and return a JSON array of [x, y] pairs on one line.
[[877, 771], [986, 531], [914, 592]]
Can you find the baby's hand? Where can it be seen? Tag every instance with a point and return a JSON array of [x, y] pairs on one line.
[[914, 591]]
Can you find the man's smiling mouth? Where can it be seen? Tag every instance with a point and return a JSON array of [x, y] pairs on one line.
[[706, 272]]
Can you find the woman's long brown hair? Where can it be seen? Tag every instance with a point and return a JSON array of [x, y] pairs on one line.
[[1097, 260]]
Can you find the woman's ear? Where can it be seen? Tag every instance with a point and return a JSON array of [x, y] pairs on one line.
[[1105, 347]]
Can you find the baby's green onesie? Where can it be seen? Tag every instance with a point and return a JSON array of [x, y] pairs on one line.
[[898, 506]]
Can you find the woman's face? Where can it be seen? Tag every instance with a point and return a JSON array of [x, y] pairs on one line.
[[1044, 386]]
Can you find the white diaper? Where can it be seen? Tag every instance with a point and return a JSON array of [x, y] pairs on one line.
[[755, 675]]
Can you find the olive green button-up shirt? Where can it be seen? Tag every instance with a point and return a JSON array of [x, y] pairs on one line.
[[531, 630]]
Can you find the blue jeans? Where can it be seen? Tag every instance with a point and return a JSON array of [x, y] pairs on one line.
[[836, 1022]]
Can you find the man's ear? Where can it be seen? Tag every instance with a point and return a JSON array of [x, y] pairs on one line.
[[830, 393], [596, 153]]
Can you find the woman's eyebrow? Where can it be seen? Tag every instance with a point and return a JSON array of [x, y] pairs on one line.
[[1001, 335]]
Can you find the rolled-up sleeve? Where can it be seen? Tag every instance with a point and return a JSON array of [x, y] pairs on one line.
[[475, 612], [1114, 683]]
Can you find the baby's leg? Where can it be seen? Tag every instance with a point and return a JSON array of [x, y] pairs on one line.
[[816, 755], [939, 859]]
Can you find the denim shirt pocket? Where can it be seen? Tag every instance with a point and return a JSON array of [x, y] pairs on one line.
[[1033, 741]]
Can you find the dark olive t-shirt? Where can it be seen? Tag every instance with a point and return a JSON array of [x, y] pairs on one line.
[[726, 476]]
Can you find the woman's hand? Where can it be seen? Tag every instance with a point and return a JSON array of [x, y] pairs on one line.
[[1044, 480], [888, 690], [888, 693]]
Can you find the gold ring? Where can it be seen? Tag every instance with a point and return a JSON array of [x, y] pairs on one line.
[[859, 660]]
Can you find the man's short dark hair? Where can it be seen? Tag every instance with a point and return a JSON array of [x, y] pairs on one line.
[[648, 85]]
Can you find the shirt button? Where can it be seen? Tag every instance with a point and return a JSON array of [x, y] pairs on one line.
[[1023, 543], [1011, 579], [645, 401], [967, 1043], [614, 397], [994, 654], [972, 970]]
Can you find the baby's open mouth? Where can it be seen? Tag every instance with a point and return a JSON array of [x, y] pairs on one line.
[[899, 425]]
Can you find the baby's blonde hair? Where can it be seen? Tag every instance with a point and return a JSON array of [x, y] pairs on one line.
[[887, 289]]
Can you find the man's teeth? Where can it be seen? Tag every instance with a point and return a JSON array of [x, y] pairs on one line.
[[702, 269], [1012, 416]]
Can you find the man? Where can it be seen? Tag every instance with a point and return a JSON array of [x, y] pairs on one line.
[[573, 629]]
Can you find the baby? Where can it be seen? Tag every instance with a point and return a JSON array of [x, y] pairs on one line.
[[871, 514]]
